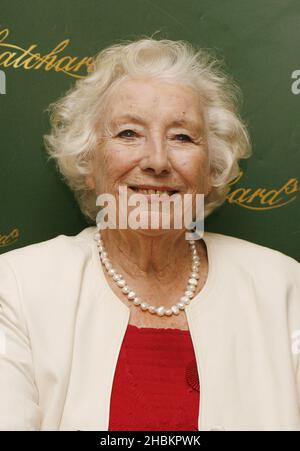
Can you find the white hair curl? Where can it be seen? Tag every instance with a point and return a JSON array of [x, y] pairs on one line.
[[73, 137]]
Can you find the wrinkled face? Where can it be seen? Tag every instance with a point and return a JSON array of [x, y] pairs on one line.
[[156, 140]]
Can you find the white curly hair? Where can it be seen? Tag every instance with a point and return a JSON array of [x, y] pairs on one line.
[[73, 136]]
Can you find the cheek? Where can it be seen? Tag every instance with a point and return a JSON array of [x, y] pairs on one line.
[[118, 163], [112, 165], [194, 169]]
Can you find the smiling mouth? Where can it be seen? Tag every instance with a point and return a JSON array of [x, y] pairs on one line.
[[145, 189]]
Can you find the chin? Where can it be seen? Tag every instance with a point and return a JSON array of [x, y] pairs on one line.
[[153, 232], [161, 223]]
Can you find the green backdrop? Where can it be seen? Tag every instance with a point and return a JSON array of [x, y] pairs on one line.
[[259, 40]]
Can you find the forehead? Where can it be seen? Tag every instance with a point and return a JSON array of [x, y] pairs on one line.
[[154, 99]]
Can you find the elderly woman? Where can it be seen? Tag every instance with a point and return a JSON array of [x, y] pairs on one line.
[[139, 328]]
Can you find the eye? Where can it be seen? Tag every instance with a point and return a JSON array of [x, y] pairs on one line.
[[183, 138], [127, 133]]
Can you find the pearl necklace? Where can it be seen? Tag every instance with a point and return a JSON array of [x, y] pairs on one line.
[[131, 295]]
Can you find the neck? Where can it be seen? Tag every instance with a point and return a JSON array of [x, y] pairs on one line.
[[137, 253]]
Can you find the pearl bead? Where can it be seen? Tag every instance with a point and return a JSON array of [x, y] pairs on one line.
[[195, 268], [144, 306], [111, 272], [183, 299], [175, 309], [195, 258], [131, 295], [160, 311], [152, 309], [168, 312], [180, 305], [126, 289], [108, 265], [116, 277], [193, 281], [194, 275], [189, 294], [191, 288], [121, 283], [136, 301]]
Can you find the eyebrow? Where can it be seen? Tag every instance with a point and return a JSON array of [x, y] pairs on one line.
[[138, 119]]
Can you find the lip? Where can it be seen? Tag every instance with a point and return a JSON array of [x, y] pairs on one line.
[[155, 187]]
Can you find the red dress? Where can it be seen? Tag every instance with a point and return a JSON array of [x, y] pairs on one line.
[[156, 385]]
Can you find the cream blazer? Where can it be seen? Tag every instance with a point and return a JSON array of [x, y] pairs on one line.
[[61, 330]]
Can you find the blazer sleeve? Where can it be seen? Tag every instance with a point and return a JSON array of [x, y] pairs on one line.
[[19, 409]]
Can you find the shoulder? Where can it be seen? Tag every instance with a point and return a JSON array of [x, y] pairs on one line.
[[50, 254], [253, 258], [46, 277]]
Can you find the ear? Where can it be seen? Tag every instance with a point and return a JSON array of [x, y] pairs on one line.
[[89, 180]]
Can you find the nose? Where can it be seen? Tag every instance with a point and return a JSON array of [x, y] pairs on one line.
[[156, 158]]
